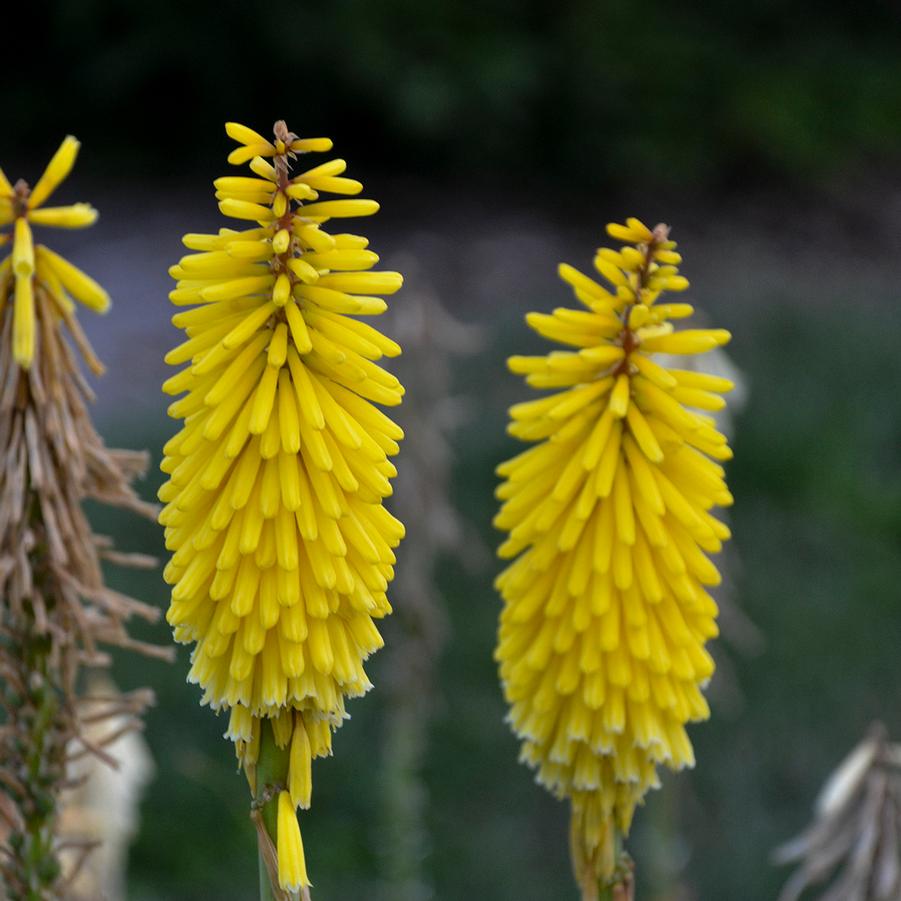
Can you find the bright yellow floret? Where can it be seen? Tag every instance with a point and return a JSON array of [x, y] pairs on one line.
[[282, 548], [606, 612], [292, 866], [34, 268]]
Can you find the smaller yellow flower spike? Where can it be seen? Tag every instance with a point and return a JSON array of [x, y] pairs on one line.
[[31, 267], [282, 548], [606, 613]]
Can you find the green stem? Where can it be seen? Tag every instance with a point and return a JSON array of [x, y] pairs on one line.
[[265, 884], [35, 752], [271, 778]]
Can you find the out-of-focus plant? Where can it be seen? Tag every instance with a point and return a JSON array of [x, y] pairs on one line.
[[852, 850], [667, 850], [55, 608], [432, 338], [103, 803], [601, 645], [282, 547]]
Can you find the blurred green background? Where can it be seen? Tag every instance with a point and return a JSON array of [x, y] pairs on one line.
[[500, 137]]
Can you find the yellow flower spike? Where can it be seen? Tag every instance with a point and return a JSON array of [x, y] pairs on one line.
[[605, 616], [56, 173], [282, 549], [39, 275]]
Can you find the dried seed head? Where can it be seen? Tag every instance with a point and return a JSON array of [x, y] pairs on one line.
[[853, 847], [55, 610]]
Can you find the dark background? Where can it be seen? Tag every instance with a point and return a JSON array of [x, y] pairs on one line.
[[500, 137]]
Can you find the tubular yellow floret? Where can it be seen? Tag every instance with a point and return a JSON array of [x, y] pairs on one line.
[[56, 173], [605, 617], [23, 323], [292, 866], [81, 286], [79, 215], [282, 550], [23, 250]]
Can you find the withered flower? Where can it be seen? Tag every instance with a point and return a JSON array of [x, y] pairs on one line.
[[55, 609], [852, 850]]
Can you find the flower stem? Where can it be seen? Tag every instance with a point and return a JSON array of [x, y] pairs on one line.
[[608, 874], [265, 882], [271, 777], [37, 760]]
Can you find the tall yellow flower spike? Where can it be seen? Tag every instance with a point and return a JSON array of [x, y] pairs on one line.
[[601, 645], [31, 267], [282, 549]]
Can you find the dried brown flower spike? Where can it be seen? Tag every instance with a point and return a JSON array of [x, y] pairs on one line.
[[54, 607], [853, 847]]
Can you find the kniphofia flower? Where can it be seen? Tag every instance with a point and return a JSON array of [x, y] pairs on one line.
[[55, 609], [282, 548], [605, 616]]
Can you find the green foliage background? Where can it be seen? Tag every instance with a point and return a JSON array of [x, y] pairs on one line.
[[585, 91]]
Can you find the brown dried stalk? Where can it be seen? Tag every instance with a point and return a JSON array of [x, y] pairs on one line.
[[853, 847], [54, 607]]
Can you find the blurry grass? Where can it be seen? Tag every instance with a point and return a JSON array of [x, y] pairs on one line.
[[817, 521]]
